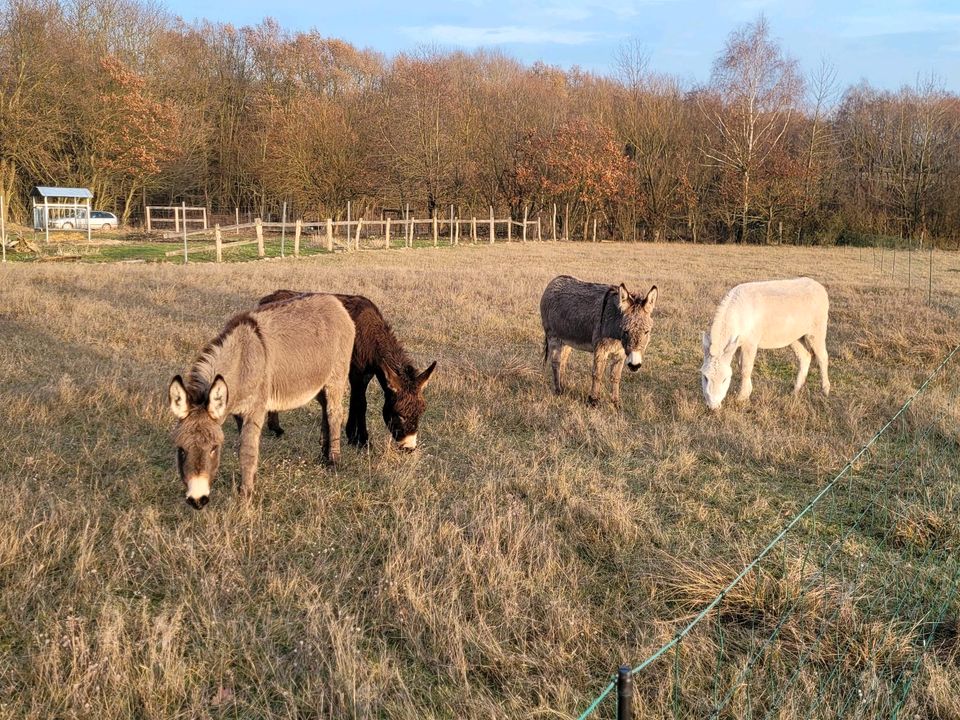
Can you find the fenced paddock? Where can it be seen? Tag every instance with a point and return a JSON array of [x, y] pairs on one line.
[[530, 546]]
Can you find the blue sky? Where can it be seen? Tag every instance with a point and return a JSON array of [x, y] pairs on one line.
[[887, 43]]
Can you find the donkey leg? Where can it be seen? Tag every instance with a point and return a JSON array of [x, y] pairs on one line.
[[818, 343], [803, 355], [599, 363], [748, 354], [273, 423], [249, 452], [558, 361], [333, 419], [616, 371], [357, 414]]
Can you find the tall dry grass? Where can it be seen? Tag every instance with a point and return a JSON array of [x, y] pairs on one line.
[[508, 566]]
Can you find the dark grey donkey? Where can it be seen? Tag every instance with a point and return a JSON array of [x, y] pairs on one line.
[[277, 357], [601, 319]]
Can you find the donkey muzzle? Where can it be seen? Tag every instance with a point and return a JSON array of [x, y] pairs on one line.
[[634, 361], [408, 443], [198, 491]]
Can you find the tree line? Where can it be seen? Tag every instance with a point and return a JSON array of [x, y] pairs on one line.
[[141, 107]]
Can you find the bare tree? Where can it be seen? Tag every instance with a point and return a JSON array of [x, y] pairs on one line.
[[759, 87]]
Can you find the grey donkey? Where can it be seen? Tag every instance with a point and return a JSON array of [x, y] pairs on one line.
[[277, 357], [605, 320]]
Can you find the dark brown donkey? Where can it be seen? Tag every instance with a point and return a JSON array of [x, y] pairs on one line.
[[376, 352], [277, 357]]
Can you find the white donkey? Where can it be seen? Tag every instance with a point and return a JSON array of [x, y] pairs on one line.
[[770, 314]]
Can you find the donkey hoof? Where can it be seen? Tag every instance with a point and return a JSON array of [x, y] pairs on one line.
[[278, 432]]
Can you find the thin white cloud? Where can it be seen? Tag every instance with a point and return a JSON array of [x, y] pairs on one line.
[[895, 23], [502, 35]]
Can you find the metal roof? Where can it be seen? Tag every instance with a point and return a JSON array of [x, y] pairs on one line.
[[62, 192]]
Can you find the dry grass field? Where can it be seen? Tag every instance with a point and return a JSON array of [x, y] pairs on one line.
[[503, 570]]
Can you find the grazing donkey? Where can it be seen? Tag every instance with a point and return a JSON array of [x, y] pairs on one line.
[[602, 319], [376, 352], [769, 314], [276, 357]]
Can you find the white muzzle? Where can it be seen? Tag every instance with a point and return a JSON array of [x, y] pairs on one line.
[[635, 359], [408, 443], [198, 487]]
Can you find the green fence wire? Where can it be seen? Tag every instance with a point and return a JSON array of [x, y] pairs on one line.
[[909, 595]]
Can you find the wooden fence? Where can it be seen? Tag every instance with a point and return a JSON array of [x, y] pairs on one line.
[[386, 234]]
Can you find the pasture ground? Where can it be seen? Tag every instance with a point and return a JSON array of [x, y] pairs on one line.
[[502, 571]]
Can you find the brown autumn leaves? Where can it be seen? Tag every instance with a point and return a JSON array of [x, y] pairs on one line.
[[140, 106]]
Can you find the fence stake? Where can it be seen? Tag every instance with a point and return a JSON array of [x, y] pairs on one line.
[[236, 212], [566, 223], [456, 235], [493, 232], [359, 225], [473, 231], [624, 693], [413, 224], [451, 224], [386, 241], [594, 229], [524, 236], [436, 229], [329, 234], [218, 240], [554, 222], [185, 260], [259, 225], [296, 239], [510, 227], [539, 235], [283, 229]]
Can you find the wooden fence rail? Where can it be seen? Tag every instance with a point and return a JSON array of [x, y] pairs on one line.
[[350, 232]]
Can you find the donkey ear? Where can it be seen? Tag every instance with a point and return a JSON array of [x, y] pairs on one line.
[[424, 377], [393, 380], [217, 403], [179, 404], [650, 301], [625, 300]]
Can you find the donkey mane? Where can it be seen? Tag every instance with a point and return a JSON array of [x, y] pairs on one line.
[[719, 332], [204, 369]]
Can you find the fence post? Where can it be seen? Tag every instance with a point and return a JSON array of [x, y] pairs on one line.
[[386, 242], [283, 230], [493, 231], [539, 234], [184, 223], [510, 227], [236, 213], [436, 229], [624, 693], [329, 234], [259, 223], [554, 226], [473, 231], [451, 224], [296, 239], [410, 232], [566, 223], [594, 229], [218, 240], [147, 208], [524, 236], [359, 225], [456, 234]]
